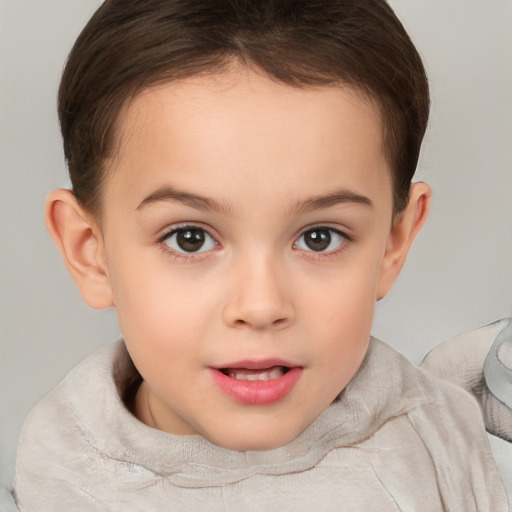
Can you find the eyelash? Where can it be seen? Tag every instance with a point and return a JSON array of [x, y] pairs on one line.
[[183, 256], [316, 255]]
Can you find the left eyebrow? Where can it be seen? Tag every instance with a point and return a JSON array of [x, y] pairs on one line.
[[340, 196]]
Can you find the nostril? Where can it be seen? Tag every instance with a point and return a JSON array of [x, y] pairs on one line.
[[258, 311], [273, 324]]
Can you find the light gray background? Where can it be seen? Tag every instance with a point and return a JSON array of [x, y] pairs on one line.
[[458, 276]]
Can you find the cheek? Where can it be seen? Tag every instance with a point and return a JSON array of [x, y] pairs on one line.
[[141, 295], [160, 331], [341, 312], [154, 311], [163, 312], [348, 294], [349, 322]]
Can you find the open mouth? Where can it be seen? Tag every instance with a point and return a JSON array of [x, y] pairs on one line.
[[256, 383], [274, 372]]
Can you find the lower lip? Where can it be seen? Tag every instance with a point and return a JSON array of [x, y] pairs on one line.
[[257, 392]]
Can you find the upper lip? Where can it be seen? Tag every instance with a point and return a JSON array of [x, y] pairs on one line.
[[257, 364]]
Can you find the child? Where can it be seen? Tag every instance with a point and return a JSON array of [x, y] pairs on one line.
[[242, 195]]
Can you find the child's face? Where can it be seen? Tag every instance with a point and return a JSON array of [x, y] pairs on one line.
[[245, 230]]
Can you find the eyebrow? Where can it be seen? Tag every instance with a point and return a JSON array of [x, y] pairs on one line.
[[188, 199], [325, 201], [203, 203]]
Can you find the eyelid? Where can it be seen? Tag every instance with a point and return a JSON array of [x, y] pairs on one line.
[[173, 228], [343, 231]]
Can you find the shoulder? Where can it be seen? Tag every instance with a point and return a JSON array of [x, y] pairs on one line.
[[427, 422], [410, 387], [449, 423], [70, 403], [56, 439], [416, 390], [388, 386]]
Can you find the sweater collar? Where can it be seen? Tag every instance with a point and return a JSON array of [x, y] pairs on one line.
[[383, 387]]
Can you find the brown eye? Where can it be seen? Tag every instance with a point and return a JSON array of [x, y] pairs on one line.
[[320, 239], [189, 240], [317, 239]]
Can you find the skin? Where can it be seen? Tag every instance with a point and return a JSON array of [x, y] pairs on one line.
[[269, 163]]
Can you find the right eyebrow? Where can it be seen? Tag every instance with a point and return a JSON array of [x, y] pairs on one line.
[[172, 194]]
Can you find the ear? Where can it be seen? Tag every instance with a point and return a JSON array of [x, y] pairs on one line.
[[79, 240], [406, 225]]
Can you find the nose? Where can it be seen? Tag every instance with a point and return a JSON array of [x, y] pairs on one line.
[[259, 297]]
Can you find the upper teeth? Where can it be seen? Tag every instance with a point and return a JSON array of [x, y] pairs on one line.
[[243, 374]]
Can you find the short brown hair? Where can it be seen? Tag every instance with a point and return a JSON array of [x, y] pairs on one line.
[[128, 46]]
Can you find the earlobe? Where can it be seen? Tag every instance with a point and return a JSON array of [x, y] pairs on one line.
[[80, 243], [406, 225]]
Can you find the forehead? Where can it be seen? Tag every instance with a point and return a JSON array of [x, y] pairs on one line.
[[251, 94], [243, 127]]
